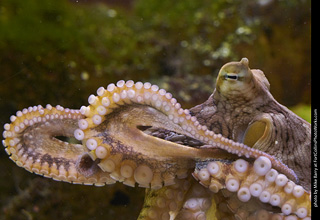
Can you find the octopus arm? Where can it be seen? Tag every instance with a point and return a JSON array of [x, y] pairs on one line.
[[122, 146], [32, 141], [257, 181]]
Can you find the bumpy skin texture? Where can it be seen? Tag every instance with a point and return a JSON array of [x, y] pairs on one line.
[[137, 134]]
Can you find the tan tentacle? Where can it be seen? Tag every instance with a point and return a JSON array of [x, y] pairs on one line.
[[32, 143], [258, 180]]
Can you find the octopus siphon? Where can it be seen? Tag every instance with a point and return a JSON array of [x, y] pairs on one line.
[[239, 155]]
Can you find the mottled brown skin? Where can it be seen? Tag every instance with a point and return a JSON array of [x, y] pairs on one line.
[[243, 109]]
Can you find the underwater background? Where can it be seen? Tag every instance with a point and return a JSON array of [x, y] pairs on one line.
[[60, 52]]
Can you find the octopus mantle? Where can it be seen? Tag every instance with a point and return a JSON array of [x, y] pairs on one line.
[[223, 159]]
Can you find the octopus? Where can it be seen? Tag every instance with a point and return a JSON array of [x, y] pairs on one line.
[[239, 155]]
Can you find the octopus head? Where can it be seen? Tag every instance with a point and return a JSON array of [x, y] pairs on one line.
[[236, 79]]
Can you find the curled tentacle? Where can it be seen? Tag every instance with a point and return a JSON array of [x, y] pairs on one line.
[[32, 143], [113, 132]]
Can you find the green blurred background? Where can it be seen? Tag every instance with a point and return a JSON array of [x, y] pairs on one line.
[[60, 52]]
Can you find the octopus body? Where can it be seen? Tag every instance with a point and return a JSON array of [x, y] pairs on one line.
[[138, 134]]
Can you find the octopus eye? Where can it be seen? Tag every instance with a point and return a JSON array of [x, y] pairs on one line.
[[231, 76]]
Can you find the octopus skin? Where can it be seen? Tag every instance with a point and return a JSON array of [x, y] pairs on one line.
[[188, 173]]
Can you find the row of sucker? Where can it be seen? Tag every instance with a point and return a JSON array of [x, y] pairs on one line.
[[29, 142], [258, 180], [124, 93], [230, 207]]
